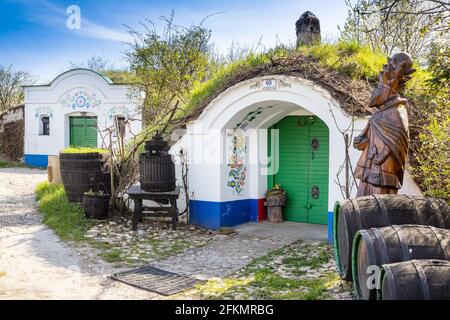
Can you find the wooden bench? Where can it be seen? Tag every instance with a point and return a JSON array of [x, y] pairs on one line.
[[138, 196]]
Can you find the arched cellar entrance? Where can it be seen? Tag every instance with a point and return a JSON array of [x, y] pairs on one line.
[[302, 168], [231, 163]]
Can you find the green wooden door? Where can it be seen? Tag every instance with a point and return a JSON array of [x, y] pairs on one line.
[[303, 168], [83, 132]]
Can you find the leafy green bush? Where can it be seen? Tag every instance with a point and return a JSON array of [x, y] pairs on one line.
[[430, 126], [433, 168], [66, 219]]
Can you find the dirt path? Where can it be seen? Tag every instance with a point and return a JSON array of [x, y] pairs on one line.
[[34, 263]]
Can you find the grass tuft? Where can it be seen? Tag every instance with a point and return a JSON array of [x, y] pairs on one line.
[[10, 164], [66, 219]]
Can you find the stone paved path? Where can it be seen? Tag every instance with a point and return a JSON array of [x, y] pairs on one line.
[[224, 256], [221, 257]]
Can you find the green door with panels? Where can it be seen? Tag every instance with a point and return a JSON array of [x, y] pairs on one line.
[[302, 167], [83, 132]]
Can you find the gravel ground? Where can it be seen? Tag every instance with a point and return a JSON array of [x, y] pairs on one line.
[[34, 263]]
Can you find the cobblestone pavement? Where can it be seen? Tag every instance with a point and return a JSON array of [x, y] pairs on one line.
[[221, 257]]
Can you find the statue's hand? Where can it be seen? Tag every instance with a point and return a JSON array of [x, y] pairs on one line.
[[360, 142]]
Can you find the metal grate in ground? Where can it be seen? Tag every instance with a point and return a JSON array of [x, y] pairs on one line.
[[156, 280]]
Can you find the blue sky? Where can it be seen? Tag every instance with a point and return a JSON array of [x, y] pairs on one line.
[[34, 36]]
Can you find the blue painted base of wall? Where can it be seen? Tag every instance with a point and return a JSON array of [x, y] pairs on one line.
[[213, 215], [330, 227], [36, 160]]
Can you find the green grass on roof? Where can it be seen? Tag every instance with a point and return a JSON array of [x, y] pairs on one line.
[[84, 150], [356, 61]]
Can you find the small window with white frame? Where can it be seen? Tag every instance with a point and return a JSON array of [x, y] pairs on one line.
[[44, 125]]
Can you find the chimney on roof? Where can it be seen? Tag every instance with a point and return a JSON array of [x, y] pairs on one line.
[[308, 29]]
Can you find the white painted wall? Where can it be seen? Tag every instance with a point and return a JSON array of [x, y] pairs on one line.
[[52, 100]]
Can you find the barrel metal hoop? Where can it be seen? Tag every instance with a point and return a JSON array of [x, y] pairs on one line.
[[441, 241], [389, 274], [383, 209], [438, 212], [423, 281], [405, 249], [347, 217], [419, 217], [384, 253], [358, 213]]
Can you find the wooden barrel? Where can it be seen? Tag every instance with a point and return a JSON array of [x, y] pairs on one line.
[[415, 280], [377, 246], [80, 173], [380, 211]]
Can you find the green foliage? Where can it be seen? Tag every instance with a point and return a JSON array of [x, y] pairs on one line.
[[120, 76], [66, 219], [350, 58], [262, 279], [8, 164], [358, 62], [84, 150], [390, 26], [431, 129], [439, 66], [167, 65], [224, 74], [433, 154]]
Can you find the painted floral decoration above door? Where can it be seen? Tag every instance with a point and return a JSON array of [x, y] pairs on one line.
[[80, 100]]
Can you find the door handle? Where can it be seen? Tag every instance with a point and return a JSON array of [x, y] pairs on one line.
[[308, 206]]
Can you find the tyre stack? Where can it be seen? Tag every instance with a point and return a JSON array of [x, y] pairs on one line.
[[394, 246]]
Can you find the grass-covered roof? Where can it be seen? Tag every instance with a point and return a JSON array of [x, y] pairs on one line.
[[347, 70]]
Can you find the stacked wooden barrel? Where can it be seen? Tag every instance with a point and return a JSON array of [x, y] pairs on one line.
[[371, 232], [415, 280]]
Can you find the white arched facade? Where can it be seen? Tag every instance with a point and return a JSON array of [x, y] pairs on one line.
[[75, 93], [253, 106]]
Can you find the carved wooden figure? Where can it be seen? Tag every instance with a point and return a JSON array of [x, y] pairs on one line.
[[385, 140]]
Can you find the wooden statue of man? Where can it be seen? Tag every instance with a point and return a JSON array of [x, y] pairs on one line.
[[385, 140]]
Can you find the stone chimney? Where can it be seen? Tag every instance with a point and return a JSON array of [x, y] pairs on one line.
[[308, 29]]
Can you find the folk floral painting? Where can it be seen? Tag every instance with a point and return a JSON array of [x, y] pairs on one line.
[[80, 100], [118, 110], [45, 110], [236, 156]]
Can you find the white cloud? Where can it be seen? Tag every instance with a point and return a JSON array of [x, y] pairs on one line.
[[56, 16]]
